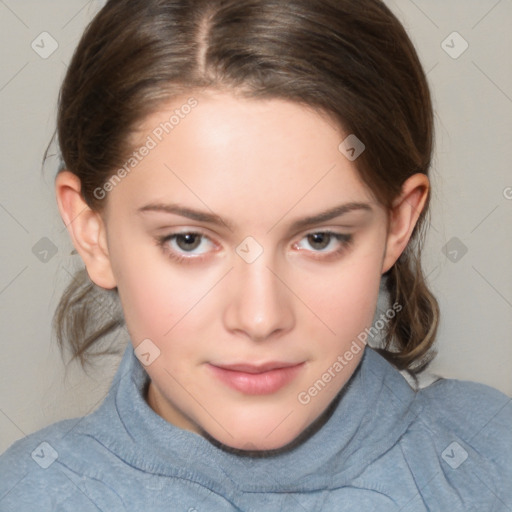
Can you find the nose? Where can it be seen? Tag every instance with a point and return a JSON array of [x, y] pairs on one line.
[[260, 306]]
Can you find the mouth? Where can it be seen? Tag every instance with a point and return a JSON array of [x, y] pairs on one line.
[[257, 379]]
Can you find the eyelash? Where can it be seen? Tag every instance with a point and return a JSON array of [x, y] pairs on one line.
[[162, 243], [345, 240]]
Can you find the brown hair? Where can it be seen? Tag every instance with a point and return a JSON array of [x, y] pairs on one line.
[[351, 60]]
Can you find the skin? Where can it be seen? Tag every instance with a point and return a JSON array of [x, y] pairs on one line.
[[259, 165]]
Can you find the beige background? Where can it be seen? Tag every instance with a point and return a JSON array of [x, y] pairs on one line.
[[472, 206]]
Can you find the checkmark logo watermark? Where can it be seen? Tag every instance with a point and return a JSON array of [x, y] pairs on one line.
[[454, 45], [352, 147], [45, 45], [455, 250], [45, 455], [454, 455], [44, 250], [249, 250], [147, 352]]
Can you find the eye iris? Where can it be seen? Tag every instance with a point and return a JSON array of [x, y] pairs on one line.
[[188, 242], [319, 240]]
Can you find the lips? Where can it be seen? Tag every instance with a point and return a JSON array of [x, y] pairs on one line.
[[249, 368], [256, 379]]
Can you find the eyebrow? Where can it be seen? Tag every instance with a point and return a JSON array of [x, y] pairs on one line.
[[211, 218], [182, 211], [330, 214]]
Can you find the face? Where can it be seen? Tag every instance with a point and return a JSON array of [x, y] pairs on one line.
[[248, 256]]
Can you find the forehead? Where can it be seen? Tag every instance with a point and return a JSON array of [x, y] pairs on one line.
[[227, 152]]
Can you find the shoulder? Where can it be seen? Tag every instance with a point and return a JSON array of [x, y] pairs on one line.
[[29, 451], [48, 459], [475, 414], [461, 438], [473, 410]]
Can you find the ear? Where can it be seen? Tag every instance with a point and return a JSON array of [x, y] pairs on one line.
[[86, 228], [405, 212]]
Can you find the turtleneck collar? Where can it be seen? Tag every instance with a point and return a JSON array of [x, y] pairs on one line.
[[371, 413]]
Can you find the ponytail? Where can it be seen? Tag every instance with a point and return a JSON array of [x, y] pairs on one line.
[[85, 315], [410, 335]]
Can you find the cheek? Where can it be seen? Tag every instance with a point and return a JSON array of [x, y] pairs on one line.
[[155, 296], [345, 300]]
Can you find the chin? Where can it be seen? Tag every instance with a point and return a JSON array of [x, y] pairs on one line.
[[276, 435], [252, 445]]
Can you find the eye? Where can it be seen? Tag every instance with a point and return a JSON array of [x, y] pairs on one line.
[[188, 241], [188, 245], [324, 242], [319, 241]]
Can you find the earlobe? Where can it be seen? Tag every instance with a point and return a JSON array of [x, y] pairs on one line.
[[86, 229], [404, 216]]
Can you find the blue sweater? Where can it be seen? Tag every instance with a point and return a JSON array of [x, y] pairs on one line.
[[384, 448]]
